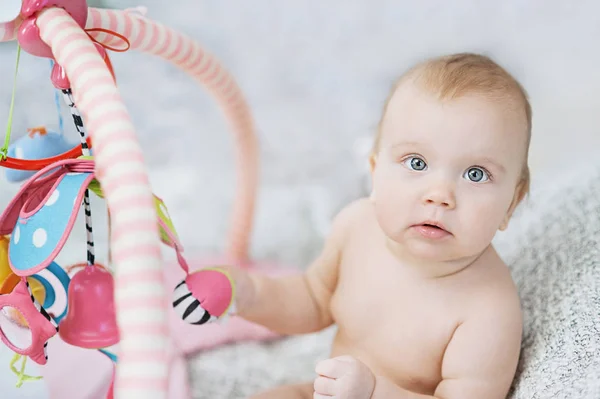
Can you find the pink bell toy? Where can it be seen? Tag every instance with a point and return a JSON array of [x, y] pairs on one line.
[[91, 321]]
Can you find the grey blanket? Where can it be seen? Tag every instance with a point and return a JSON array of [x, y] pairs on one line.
[[552, 247]]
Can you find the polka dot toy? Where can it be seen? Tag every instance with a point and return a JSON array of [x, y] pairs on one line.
[[42, 229]]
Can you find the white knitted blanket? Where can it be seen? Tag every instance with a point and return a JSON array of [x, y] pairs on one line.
[[552, 247]]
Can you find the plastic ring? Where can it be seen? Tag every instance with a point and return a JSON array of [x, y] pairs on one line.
[[39, 164]]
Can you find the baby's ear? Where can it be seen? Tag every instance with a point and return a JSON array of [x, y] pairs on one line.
[[372, 165], [372, 161], [520, 192]]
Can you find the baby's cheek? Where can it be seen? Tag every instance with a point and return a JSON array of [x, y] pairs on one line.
[[481, 224], [390, 213], [386, 214]]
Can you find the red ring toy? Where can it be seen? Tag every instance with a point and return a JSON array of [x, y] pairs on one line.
[[38, 164]]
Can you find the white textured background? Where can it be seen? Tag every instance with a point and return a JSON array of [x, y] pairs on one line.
[[316, 74]]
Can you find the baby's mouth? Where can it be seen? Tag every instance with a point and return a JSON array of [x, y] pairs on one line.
[[432, 230], [432, 226]]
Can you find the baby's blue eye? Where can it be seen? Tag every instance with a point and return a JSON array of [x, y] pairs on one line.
[[476, 175], [415, 163]]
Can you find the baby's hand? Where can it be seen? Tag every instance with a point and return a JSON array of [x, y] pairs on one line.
[[343, 377]]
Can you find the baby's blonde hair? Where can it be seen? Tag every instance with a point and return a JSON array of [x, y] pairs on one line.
[[456, 75]]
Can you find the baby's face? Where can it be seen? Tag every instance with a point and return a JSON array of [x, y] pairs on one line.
[[455, 164]]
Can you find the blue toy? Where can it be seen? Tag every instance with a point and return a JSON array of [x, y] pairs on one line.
[[38, 144]]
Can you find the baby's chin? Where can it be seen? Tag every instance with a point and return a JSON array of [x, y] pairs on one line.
[[431, 252], [422, 250]]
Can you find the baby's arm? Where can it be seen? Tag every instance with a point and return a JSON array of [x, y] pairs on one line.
[[295, 304], [481, 358]]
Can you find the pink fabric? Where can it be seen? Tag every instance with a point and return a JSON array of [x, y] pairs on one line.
[[179, 384], [92, 368], [95, 373]]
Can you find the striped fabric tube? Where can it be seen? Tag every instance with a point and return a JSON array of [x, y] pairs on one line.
[[154, 38], [140, 296], [8, 31]]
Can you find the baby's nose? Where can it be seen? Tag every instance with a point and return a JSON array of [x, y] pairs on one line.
[[440, 196]]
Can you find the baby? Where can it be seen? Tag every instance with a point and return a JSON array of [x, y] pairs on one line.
[[423, 304]]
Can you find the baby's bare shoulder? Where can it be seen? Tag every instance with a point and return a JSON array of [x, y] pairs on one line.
[[353, 214], [357, 209], [503, 300], [349, 222], [495, 293]]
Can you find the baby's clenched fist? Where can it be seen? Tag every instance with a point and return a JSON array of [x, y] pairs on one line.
[[343, 377]]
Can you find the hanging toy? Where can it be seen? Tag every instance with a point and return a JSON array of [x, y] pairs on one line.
[[4, 268], [38, 143], [204, 296], [91, 321], [49, 286], [8, 280], [31, 337]]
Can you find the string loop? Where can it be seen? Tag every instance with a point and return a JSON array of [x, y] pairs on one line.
[[110, 32]]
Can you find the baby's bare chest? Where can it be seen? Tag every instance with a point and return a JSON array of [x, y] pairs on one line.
[[399, 327]]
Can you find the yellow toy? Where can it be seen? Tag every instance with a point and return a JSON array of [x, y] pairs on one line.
[[4, 268], [8, 279]]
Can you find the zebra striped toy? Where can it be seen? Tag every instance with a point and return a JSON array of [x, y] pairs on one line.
[[204, 296]]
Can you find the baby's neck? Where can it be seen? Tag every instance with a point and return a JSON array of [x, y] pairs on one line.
[[431, 268]]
